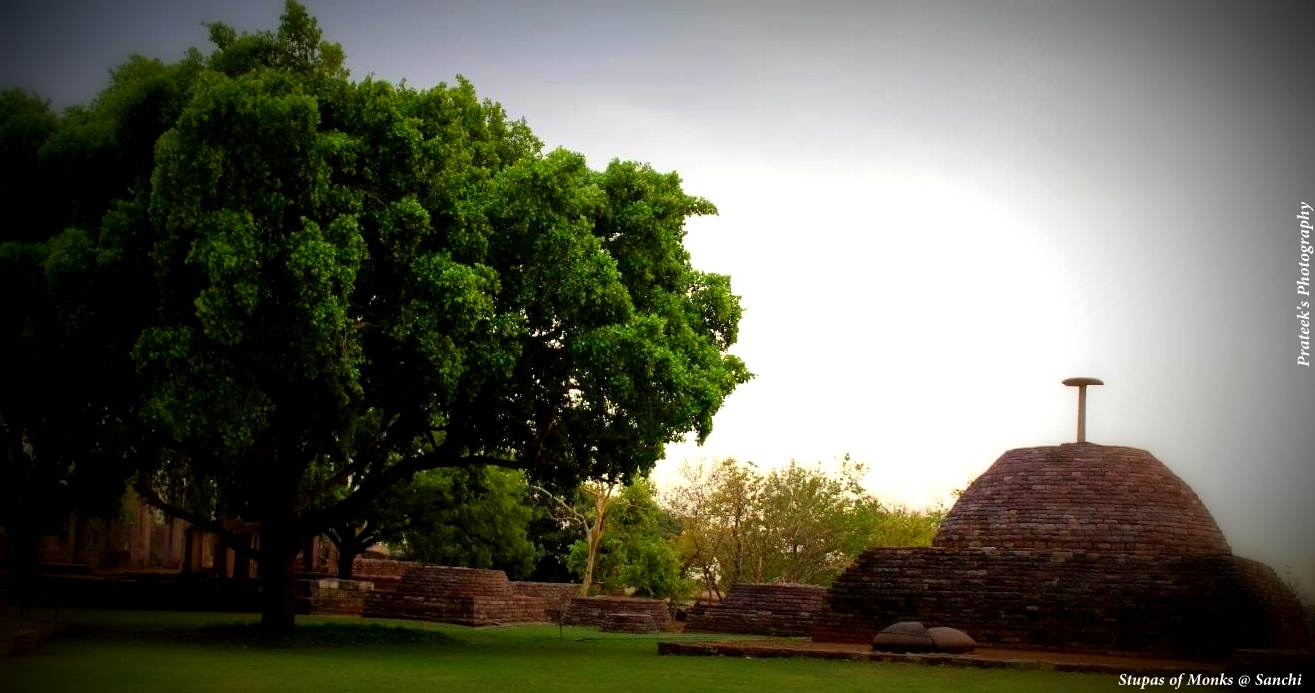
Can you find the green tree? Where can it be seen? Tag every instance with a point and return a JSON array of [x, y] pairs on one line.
[[76, 282], [722, 532], [62, 432], [331, 280], [900, 526], [793, 524], [474, 517], [637, 551], [478, 518], [26, 123], [813, 523], [585, 509], [383, 521]]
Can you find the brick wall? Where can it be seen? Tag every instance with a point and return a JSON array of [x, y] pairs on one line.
[[385, 574], [598, 611], [465, 596], [1194, 606], [331, 596], [782, 610], [556, 596]]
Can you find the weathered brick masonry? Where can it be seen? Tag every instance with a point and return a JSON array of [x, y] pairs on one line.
[[601, 611], [1082, 497], [556, 596], [782, 610], [1197, 606], [385, 574], [465, 596], [331, 596], [1073, 546]]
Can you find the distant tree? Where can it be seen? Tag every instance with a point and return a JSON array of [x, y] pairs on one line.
[[304, 280], [813, 523], [793, 524], [646, 548], [722, 534], [629, 543], [586, 509], [899, 526], [700, 541]]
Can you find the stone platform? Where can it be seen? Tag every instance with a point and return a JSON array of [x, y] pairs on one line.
[[601, 611], [556, 596], [331, 596], [777, 609], [385, 574], [465, 596]]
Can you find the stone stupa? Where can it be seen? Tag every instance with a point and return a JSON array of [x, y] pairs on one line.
[[1075, 546]]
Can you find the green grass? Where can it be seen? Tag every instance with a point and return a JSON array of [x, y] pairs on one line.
[[146, 651]]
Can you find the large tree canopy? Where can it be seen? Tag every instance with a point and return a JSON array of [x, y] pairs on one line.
[[334, 285]]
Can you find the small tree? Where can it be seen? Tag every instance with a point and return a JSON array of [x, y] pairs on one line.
[[638, 551], [720, 528], [587, 511], [794, 524]]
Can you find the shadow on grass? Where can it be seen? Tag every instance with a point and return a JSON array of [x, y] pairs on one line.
[[320, 635]]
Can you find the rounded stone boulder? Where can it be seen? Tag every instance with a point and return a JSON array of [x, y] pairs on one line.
[[951, 639], [912, 636], [905, 636]]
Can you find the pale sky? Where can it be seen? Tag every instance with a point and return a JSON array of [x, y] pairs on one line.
[[934, 212]]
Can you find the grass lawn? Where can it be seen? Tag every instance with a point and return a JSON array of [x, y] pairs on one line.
[[156, 651]]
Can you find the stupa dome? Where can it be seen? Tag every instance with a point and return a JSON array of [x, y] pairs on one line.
[[1082, 497]]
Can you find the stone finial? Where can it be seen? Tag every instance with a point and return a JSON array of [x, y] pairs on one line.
[[1081, 384]]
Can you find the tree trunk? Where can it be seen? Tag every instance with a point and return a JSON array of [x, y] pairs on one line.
[[24, 557], [345, 560], [595, 537], [601, 495], [591, 558], [277, 554]]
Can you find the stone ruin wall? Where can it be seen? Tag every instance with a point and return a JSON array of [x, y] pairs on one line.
[[465, 596], [556, 596], [627, 614], [385, 574], [331, 596], [1192, 606], [779, 610], [347, 597]]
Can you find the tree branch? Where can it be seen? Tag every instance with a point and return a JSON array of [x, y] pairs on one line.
[[347, 471], [226, 536], [444, 456], [574, 514]]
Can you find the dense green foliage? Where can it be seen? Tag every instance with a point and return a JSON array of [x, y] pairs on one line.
[[301, 284], [517, 659], [478, 518], [793, 524], [637, 551]]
